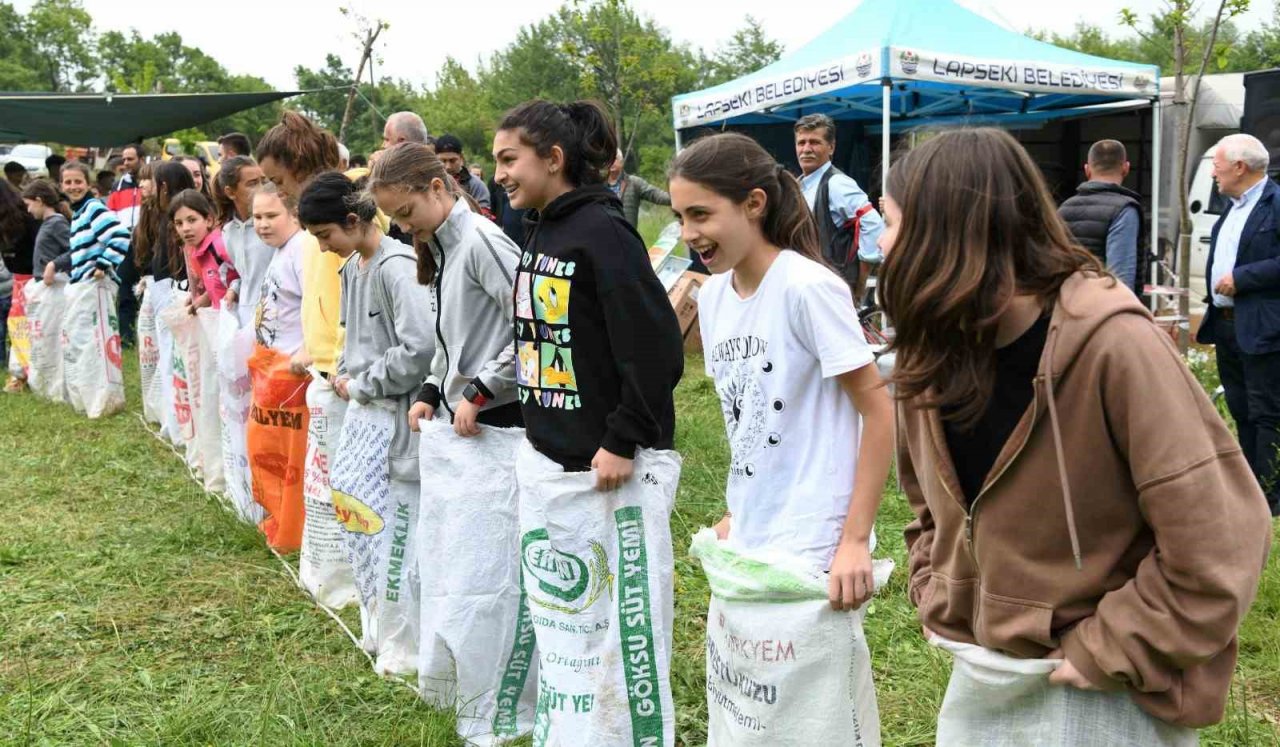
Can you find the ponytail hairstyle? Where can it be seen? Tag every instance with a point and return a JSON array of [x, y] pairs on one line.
[[229, 178], [733, 166], [582, 130], [412, 167], [299, 146], [978, 227], [154, 229], [331, 197], [43, 191]]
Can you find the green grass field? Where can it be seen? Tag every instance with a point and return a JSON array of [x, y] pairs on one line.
[[134, 610]]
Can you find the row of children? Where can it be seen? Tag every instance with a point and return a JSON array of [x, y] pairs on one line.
[[1024, 372]]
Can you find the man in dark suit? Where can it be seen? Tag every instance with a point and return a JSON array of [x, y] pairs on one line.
[[1243, 319]]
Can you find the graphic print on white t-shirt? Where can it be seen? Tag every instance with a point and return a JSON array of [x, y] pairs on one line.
[[743, 401], [793, 432]]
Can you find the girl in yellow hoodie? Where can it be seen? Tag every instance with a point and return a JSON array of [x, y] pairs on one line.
[[1088, 535]]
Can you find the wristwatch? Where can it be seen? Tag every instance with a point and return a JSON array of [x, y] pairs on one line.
[[473, 395]]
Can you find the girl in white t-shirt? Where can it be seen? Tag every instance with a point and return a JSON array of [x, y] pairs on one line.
[[809, 422], [278, 320]]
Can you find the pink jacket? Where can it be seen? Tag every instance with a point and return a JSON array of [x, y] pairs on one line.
[[209, 270]]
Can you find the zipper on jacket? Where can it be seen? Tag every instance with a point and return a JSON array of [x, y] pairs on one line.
[[444, 385], [972, 514]]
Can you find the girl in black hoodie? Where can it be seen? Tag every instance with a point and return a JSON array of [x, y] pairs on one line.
[[599, 350]]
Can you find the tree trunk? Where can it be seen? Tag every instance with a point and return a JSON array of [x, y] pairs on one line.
[[371, 36], [1187, 116]]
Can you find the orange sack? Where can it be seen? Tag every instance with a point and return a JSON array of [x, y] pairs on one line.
[[277, 445]]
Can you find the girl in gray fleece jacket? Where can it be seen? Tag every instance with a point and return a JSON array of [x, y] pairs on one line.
[[387, 315], [470, 265]]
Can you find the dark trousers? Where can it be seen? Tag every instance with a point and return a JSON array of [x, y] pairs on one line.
[[1252, 388], [5, 304], [127, 300]]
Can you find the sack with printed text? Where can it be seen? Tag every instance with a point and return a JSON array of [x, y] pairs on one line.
[[378, 517], [477, 652], [204, 397], [46, 307], [783, 668], [162, 294], [598, 570], [235, 393], [149, 357], [276, 441], [91, 355], [323, 567], [19, 331], [185, 364]]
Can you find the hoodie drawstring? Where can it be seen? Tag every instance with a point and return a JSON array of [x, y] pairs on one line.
[[1057, 446]]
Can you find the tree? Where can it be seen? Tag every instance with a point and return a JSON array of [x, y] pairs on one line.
[[534, 66], [62, 36], [748, 50], [625, 61], [19, 61], [1091, 39], [367, 33], [460, 106], [328, 107], [1177, 18]]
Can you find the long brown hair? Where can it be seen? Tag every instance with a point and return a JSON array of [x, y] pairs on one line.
[[733, 165], [154, 228], [978, 227], [300, 146], [411, 167]]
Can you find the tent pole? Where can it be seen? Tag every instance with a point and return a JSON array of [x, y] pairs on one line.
[[885, 103], [1155, 193]]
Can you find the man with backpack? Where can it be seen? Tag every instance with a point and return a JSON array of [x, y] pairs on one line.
[[848, 224]]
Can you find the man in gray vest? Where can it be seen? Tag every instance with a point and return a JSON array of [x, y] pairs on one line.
[[848, 224], [1105, 217]]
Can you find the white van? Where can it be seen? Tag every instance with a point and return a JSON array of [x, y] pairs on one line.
[[1206, 205]]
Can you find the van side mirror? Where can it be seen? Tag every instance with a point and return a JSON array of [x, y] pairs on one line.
[[1195, 206]]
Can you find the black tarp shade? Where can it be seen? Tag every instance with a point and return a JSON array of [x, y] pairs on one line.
[[112, 119]]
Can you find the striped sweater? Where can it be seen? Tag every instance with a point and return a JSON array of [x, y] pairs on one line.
[[98, 241]]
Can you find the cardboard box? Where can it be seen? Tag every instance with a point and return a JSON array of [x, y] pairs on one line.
[[684, 299]]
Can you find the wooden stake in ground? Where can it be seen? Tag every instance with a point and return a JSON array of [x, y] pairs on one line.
[[367, 32]]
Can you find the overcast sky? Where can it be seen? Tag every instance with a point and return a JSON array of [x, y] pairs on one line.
[[271, 37]]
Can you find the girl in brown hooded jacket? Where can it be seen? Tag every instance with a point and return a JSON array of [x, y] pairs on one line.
[[1077, 497]]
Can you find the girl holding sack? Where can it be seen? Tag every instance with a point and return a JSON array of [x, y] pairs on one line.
[[598, 355], [387, 319], [1088, 535], [470, 607], [810, 428]]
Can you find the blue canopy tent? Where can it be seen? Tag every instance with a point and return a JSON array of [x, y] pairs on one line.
[[914, 63]]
